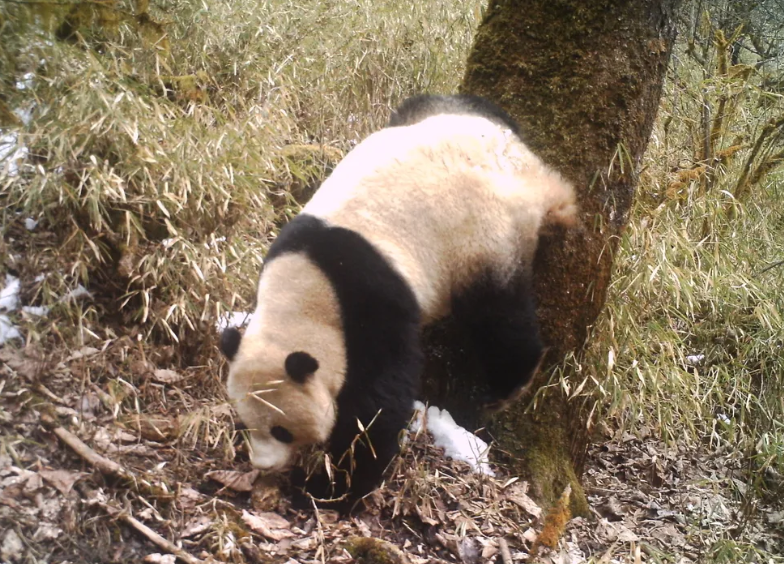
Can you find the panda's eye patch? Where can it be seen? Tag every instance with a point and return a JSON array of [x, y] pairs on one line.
[[300, 365], [282, 434]]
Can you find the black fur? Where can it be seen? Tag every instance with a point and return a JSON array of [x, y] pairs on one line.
[[417, 108], [230, 342], [500, 318], [381, 324], [282, 434], [300, 365]]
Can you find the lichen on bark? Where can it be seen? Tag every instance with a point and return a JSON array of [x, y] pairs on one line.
[[583, 80]]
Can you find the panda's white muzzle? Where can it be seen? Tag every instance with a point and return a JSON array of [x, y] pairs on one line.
[[270, 454]]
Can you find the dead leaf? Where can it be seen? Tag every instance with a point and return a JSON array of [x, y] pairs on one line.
[[196, 526], [12, 547], [615, 532], [237, 481], [425, 515], [33, 484], [611, 509], [84, 352], [516, 494], [17, 361], [489, 550], [775, 517], [468, 550], [189, 498], [270, 525], [166, 376], [308, 543], [47, 532], [328, 516], [154, 428], [668, 535], [266, 494], [157, 558], [363, 527], [145, 514], [62, 480], [89, 402]]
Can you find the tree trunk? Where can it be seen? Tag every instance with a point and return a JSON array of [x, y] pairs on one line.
[[583, 79]]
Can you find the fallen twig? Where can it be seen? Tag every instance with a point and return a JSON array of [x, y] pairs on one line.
[[111, 468], [503, 548], [151, 535], [101, 463]]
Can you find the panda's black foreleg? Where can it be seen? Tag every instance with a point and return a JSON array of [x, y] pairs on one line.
[[356, 469], [501, 320], [360, 453]]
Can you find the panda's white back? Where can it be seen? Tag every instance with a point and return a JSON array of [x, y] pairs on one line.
[[444, 200]]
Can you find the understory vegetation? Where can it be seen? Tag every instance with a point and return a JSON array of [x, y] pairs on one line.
[[149, 153], [690, 344]]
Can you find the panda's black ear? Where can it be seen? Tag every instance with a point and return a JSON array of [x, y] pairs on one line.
[[230, 342], [300, 366]]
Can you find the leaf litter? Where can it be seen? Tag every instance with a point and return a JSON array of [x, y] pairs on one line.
[[650, 501]]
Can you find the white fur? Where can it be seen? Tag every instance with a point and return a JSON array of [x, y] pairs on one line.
[[444, 199], [269, 454], [297, 311]]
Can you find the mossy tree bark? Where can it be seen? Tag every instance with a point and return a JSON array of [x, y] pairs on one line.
[[583, 79]]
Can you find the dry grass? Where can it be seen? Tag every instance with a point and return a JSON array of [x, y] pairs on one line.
[[156, 160], [690, 346]]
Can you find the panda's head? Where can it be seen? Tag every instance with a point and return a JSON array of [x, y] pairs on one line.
[[286, 371]]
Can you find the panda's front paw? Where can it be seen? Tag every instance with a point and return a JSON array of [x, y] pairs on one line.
[[298, 480], [318, 490]]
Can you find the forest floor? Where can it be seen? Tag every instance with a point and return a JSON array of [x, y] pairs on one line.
[[89, 480]]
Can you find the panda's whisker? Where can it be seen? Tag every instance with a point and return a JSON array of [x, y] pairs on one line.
[[255, 395]]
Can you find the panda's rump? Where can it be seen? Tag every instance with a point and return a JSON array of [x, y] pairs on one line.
[[444, 200]]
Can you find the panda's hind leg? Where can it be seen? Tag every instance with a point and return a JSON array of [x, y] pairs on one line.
[[500, 319]]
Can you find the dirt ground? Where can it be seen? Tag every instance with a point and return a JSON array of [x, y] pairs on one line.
[[107, 458]]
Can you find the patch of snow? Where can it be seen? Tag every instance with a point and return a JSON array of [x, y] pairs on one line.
[[26, 82], [9, 295], [695, 359], [40, 278], [458, 444], [78, 292], [11, 152], [38, 311], [168, 242], [31, 224], [25, 115], [8, 330], [232, 319]]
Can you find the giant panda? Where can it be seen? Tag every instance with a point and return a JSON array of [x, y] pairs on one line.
[[438, 213]]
